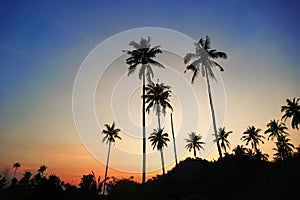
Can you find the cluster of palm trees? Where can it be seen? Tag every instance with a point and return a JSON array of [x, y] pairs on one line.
[[156, 96]]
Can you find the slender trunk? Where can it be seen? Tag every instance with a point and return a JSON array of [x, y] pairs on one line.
[[162, 161], [158, 115], [105, 176], [212, 111], [144, 131], [195, 152], [15, 172], [173, 139]]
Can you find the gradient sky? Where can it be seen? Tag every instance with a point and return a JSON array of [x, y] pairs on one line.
[[43, 43]]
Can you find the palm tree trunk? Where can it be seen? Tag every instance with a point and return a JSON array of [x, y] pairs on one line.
[[212, 111], [15, 172], [105, 176], [144, 131], [158, 115], [173, 139], [162, 161], [195, 152]]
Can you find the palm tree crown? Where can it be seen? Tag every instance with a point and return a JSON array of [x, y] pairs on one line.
[[276, 129], [252, 135], [16, 166], [202, 59], [292, 110], [194, 142], [158, 139], [158, 95], [111, 133], [222, 138], [42, 169], [143, 55], [283, 148]]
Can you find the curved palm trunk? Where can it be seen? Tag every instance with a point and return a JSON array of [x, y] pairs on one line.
[[162, 161], [105, 176], [173, 139], [144, 132], [212, 112]]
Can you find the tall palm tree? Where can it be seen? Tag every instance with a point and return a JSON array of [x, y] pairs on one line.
[[42, 169], [276, 129], [159, 139], [143, 55], [222, 138], [203, 61], [283, 148], [292, 110], [111, 133], [251, 135], [157, 96], [16, 166], [194, 142]]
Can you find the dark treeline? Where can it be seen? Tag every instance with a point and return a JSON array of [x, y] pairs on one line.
[[240, 175]]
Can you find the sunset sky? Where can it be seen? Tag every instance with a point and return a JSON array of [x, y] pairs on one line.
[[43, 44]]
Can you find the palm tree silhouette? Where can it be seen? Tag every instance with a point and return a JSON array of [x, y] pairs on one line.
[[239, 150], [16, 166], [202, 61], [157, 95], [143, 56], [292, 110], [194, 142], [159, 139], [222, 138], [283, 148], [276, 129], [251, 135], [111, 134], [42, 169]]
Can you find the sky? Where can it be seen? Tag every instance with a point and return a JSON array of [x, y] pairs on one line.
[[44, 43]]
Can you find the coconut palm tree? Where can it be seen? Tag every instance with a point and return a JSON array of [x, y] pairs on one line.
[[283, 149], [42, 169], [251, 135], [159, 139], [276, 129], [16, 166], [143, 55], [111, 133], [222, 138], [202, 61], [194, 142], [292, 110], [157, 97]]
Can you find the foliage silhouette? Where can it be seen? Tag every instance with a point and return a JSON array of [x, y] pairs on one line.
[[203, 61], [283, 148], [276, 129], [222, 138], [143, 55], [292, 110], [159, 140], [194, 142], [251, 135]]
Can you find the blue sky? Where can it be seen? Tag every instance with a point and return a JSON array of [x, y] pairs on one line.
[[42, 44]]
